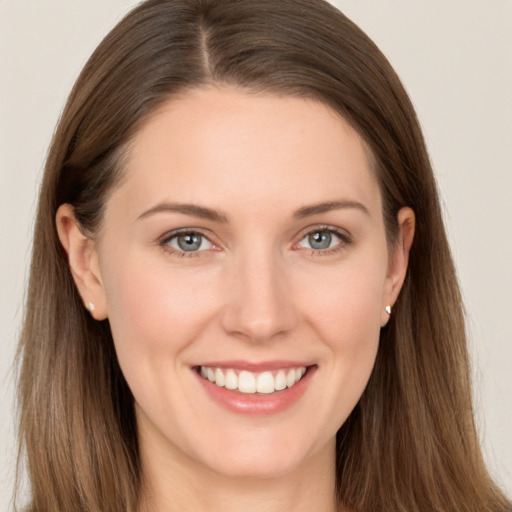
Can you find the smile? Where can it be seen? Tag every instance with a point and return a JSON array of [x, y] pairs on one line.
[[249, 382]]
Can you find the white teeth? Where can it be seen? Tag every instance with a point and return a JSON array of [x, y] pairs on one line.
[[280, 380], [219, 377], [290, 378], [231, 380], [248, 382], [265, 383]]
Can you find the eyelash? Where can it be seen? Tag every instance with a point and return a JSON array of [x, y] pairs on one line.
[[166, 239], [345, 241]]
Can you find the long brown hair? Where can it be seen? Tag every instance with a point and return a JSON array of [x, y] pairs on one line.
[[410, 443]]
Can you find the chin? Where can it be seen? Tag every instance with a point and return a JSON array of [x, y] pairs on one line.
[[263, 457], [255, 466]]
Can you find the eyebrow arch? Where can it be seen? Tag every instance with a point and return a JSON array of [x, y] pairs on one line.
[[315, 209], [216, 216], [186, 209]]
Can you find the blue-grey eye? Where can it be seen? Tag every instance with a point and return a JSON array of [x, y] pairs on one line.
[[320, 240], [190, 242]]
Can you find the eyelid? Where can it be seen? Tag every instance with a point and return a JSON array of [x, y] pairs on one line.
[[164, 240], [341, 232], [345, 237]]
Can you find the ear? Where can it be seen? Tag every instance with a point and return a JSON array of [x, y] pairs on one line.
[[399, 261], [83, 261]]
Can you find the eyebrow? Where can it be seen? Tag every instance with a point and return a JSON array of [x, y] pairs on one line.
[[217, 216], [316, 209], [186, 209]]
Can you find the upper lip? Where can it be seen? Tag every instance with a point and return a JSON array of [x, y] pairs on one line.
[[255, 367]]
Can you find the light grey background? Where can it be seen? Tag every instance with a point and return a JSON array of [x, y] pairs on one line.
[[455, 59]]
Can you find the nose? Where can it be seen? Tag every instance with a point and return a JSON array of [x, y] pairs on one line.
[[259, 305]]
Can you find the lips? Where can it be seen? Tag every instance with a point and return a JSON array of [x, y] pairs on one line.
[[249, 382], [255, 389]]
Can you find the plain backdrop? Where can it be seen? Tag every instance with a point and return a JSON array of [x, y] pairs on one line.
[[455, 59]]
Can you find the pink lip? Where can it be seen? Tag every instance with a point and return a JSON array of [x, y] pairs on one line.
[[251, 366], [256, 404]]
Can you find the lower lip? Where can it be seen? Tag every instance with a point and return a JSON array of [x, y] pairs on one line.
[[257, 404]]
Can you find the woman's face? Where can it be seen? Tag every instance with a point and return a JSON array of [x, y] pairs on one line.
[[245, 246]]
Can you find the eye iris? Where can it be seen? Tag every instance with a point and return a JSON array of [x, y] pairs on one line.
[[320, 240], [189, 241]]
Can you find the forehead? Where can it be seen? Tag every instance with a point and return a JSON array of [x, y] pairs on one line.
[[212, 145]]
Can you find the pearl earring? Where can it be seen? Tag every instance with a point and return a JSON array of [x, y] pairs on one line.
[[90, 307], [388, 309]]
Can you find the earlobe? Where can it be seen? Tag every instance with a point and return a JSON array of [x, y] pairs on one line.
[[83, 261], [399, 261]]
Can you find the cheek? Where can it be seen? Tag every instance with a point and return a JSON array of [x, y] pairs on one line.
[[154, 313], [347, 306], [345, 315]]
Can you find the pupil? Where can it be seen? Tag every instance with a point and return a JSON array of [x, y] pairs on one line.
[[189, 242], [320, 240]]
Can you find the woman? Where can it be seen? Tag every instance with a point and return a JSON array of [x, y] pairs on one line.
[[241, 280]]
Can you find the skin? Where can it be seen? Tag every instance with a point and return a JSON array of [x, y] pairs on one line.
[[256, 291]]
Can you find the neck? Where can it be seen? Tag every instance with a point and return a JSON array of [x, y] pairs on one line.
[[178, 483]]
